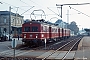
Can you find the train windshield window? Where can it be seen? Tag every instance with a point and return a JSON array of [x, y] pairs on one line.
[[34, 29], [27, 29]]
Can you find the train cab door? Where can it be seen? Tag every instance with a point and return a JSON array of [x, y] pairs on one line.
[[50, 32], [62, 33], [59, 32]]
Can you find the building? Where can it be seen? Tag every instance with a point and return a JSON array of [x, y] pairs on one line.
[[15, 21], [61, 23]]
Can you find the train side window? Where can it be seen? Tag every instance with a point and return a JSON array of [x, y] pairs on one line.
[[27, 29], [44, 28], [34, 29]]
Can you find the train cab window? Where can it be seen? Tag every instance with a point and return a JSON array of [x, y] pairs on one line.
[[27, 29], [34, 29]]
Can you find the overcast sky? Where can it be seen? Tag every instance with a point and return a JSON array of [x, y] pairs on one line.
[[50, 9]]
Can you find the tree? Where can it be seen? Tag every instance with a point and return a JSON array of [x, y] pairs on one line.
[[73, 27]]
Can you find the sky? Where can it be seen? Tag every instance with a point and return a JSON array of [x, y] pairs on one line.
[[49, 10]]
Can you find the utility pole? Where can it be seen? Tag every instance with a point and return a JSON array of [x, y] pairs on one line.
[[16, 31], [9, 22], [61, 11], [61, 5], [68, 16]]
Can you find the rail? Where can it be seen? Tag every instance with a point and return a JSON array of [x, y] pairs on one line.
[[61, 48], [70, 49], [76, 40]]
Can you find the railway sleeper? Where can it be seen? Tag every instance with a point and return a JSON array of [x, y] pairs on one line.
[[19, 58]]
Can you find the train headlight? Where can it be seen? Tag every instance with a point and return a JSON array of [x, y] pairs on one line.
[[36, 35], [42, 35], [24, 36]]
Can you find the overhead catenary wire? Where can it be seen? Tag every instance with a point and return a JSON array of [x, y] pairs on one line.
[[18, 7], [12, 5], [61, 5], [27, 10], [58, 12], [40, 14], [36, 3], [47, 8], [32, 7], [79, 11], [54, 12], [72, 4], [25, 3]]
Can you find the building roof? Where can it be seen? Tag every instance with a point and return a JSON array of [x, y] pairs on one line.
[[58, 21], [87, 30], [7, 13]]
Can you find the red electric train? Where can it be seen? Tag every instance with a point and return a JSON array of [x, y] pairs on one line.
[[37, 31]]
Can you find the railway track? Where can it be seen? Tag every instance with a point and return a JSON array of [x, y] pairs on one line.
[[65, 44], [69, 45], [50, 46], [69, 50]]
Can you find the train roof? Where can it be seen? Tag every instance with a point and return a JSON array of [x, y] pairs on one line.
[[42, 21]]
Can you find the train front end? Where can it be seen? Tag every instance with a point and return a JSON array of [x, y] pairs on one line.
[[31, 33]]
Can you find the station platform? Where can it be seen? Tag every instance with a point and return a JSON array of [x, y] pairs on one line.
[[83, 52]]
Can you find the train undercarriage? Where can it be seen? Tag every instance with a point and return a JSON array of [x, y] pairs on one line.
[[40, 42]]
